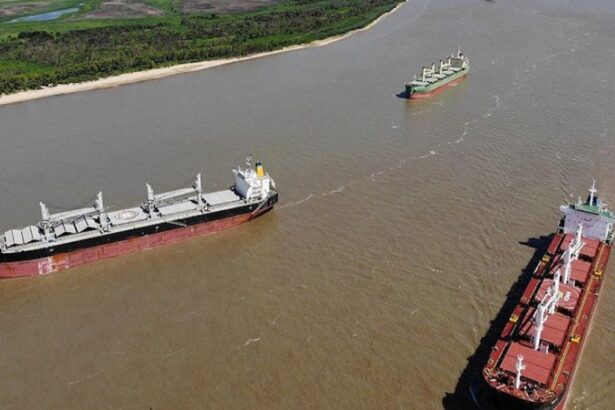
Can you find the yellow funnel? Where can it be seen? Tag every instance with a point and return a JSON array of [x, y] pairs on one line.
[[260, 171]]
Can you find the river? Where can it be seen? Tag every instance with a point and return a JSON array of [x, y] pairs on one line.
[[401, 226]]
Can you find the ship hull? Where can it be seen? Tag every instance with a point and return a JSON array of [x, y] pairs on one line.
[[561, 376], [502, 401], [436, 88], [135, 241]]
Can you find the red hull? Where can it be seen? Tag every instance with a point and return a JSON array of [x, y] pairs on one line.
[[555, 372], [67, 260], [421, 96]]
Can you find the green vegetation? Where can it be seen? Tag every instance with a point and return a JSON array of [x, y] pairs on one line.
[[95, 43]]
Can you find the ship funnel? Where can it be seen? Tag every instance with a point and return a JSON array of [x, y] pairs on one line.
[[519, 366], [260, 170]]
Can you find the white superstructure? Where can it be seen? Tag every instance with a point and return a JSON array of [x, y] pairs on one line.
[[592, 215], [252, 183]]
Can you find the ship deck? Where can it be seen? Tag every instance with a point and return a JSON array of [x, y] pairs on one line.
[[554, 331], [589, 249], [570, 294], [539, 365], [550, 369], [130, 219]]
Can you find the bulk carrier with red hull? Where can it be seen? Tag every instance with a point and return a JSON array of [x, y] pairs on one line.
[[72, 238], [438, 78], [533, 362]]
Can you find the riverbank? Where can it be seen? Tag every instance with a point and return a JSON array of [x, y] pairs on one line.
[[157, 73]]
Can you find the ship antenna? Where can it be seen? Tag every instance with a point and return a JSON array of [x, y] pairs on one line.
[[519, 367], [459, 51]]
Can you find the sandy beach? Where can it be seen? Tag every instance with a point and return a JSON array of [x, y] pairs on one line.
[[139, 76]]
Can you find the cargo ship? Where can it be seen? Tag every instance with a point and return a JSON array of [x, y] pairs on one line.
[[439, 77], [532, 364], [63, 240]]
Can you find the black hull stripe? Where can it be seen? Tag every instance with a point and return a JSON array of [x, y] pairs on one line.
[[120, 236]]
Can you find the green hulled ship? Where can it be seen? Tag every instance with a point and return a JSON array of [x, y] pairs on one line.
[[437, 78]]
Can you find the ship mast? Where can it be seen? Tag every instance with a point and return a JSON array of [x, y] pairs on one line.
[[519, 366], [45, 220], [567, 265], [555, 292], [592, 193], [150, 198], [539, 324], [102, 215], [198, 188], [545, 308]]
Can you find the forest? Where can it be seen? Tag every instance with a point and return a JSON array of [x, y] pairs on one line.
[[50, 54]]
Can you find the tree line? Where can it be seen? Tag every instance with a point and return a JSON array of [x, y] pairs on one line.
[[47, 58]]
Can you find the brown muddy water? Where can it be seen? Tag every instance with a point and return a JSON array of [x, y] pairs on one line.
[[402, 225]]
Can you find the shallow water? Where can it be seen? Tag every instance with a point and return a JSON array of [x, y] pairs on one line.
[[51, 15], [402, 225]]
